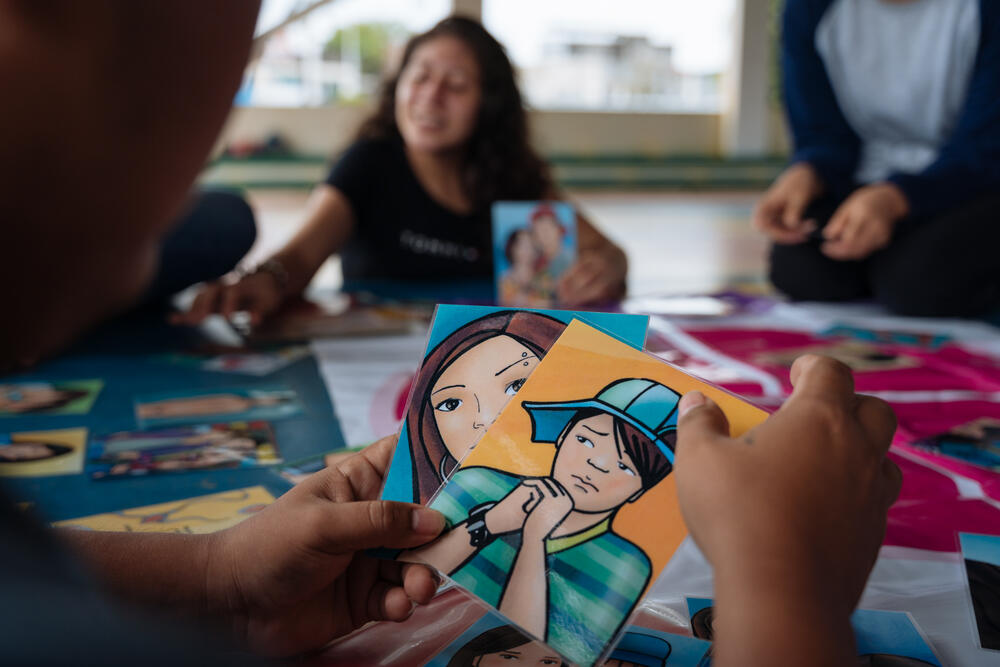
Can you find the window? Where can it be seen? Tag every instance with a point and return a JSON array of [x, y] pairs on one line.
[[336, 51], [627, 55]]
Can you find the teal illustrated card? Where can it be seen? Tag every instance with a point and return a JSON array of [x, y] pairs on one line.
[[477, 358]]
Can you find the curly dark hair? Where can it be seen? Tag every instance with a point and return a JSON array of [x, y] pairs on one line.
[[499, 162]]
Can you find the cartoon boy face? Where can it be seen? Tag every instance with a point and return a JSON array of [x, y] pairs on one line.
[[470, 393], [593, 467]]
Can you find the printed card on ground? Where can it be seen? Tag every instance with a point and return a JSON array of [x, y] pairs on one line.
[[976, 442], [981, 554], [63, 397], [565, 511], [42, 453], [476, 359], [534, 243], [219, 404], [203, 514], [889, 638], [181, 449]]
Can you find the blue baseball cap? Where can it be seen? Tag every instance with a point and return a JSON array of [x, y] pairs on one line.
[[642, 649], [645, 404]]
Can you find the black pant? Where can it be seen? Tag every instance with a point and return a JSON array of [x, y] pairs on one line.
[[947, 266], [213, 235]]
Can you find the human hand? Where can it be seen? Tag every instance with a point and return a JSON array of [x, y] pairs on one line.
[[296, 576], [509, 514], [801, 498], [595, 277], [258, 294], [548, 506], [864, 222], [779, 213]]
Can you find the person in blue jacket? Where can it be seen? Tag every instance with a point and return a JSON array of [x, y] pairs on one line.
[[894, 186]]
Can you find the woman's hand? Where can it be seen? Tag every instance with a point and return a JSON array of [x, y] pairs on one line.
[[791, 515], [258, 294], [864, 222], [296, 576], [779, 213], [597, 276]]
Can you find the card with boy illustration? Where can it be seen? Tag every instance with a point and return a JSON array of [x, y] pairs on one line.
[[565, 511], [42, 453], [476, 359], [534, 243], [182, 449], [218, 404], [890, 638]]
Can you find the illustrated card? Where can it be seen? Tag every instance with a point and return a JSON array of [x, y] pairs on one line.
[[65, 397], [203, 514], [42, 453], [976, 442], [246, 362], [566, 510], [476, 359], [926, 340], [534, 243], [182, 449], [644, 647], [981, 554], [882, 637], [216, 405], [494, 641]]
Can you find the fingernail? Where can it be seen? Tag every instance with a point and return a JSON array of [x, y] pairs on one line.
[[690, 401], [427, 521]]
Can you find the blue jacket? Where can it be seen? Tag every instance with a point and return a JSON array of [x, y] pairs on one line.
[[968, 164]]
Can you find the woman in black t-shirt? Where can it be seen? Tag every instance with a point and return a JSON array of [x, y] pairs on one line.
[[410, 199]]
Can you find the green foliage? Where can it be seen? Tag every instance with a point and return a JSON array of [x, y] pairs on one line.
[[370, 41]]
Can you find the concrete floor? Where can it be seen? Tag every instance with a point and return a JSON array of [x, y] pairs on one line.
[[677, 243]]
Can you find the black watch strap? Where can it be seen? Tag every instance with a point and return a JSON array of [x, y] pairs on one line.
[[479, 534]]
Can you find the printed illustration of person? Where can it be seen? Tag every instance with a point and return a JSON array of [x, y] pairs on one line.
[[504, 645], [463, 384], [36, 397], [542, 550], [210, 404], [550, 236], [638, 649], [27, 451], [524, 283]]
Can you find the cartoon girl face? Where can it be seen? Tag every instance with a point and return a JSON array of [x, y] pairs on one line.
[[25, 451], [594, 468], [530, 654], [472, 390]]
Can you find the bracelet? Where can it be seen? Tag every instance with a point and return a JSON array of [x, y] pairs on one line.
[[479, 534], [274, 268]]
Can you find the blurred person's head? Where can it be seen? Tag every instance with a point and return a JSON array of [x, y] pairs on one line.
[[455, 93], [105, 124]]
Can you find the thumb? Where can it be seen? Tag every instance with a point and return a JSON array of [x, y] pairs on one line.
[[700, 418], [379, 523]]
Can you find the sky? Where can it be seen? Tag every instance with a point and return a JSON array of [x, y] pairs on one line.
[[701, 31]]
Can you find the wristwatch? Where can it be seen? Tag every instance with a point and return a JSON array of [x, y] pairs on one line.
[[479, 534]]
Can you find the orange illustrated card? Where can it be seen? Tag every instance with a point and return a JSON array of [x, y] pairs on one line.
[[565, 511]]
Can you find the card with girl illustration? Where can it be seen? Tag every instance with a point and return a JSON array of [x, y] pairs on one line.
[[534, 243], [566, 510], [477, 358]]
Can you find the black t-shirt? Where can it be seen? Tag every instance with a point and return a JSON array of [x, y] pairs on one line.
[[400, 231]]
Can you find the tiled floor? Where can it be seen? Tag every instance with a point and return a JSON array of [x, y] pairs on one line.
[[676, 243]]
